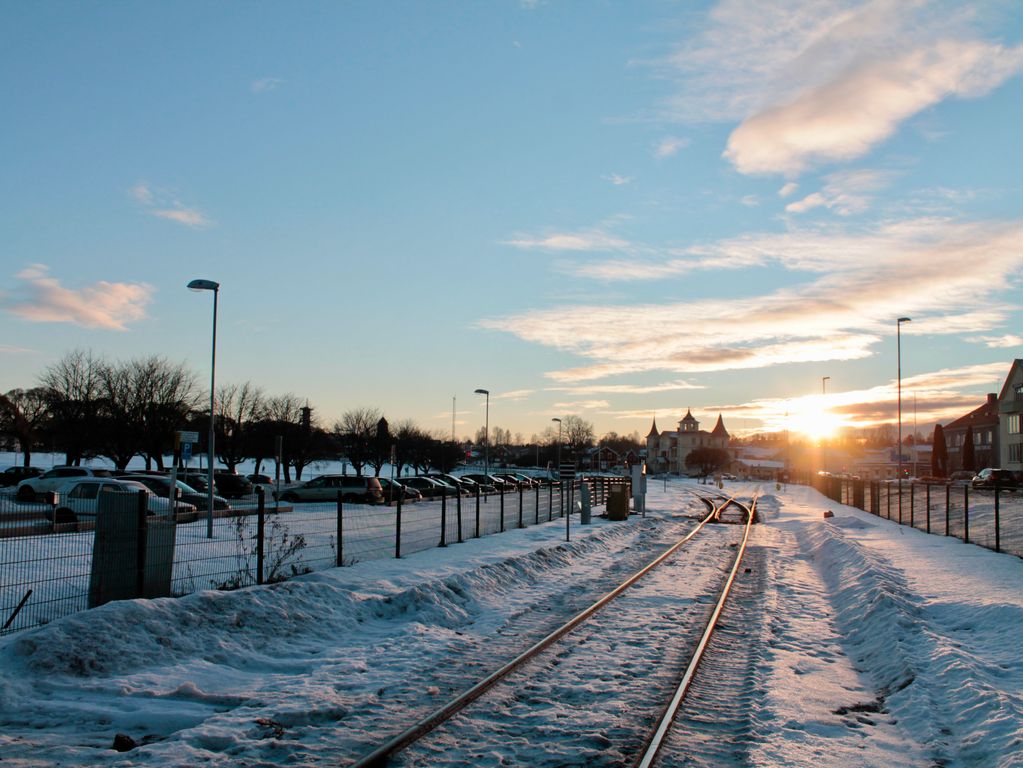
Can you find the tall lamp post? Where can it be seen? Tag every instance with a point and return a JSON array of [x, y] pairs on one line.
[[561, 488], [898, 355], [824, 391], [210, 285], [824, 384], [486, 433]]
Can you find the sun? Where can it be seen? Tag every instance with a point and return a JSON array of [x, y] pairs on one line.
[[815, 421]]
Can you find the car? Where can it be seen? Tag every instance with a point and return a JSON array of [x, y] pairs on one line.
[[260, 479], [517, 480], [197, 478], [496, 483], [53, 480], [232, 485], [994, 478], [160, 485], [14, 475], [430, 487], [394, 490], [81, 499], [353, 489], [482, 482], [463, 484], [961, 477]]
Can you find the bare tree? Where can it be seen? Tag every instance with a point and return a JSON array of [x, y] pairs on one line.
[[23, 414], [578, 432], [238, 408], [355, 433], [73, 393]]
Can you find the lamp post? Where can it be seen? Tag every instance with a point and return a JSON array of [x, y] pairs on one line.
[[824, 453], [561, 488], [486, 433], [824, 383], [898, 356], [210, 285]]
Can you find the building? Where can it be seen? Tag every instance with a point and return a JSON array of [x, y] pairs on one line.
[[1010, 412], [667, 451], [983, 423]]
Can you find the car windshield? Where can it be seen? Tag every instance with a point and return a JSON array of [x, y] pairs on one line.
[[132, 485], [185, 487]]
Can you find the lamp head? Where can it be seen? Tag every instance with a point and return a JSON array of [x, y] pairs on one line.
[[905, 320], [482, 391], [203, 285], [557, 420]]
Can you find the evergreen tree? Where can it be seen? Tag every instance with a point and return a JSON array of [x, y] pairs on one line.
[[969, 458], [939, 453]]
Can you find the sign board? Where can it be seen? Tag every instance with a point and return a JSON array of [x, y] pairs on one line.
[[188, 437], [186, 452], [566, 471]]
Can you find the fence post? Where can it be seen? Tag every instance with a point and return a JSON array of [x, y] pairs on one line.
[[550, 501], [397, 526], [536, 507], [928, 507], [888, 501], [912, 505], [966, 514], [521, 524], [502, 489], [998, 524], [477, 511], [260, 533], [443, 517], [340, 531], [948, 504], [458, 512]]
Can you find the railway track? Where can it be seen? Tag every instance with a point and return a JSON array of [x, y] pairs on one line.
[[524, 691]]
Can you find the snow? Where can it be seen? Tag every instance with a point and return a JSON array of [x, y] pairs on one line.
[[876, 644]]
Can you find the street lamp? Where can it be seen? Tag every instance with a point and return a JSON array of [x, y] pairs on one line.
[[210, 285], [486, 433], [561, 488], [824, 383], [898, 354]]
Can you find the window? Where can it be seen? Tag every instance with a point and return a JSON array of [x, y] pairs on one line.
[[1018, 389], [1012, 423], [84, 491], [1015, 450]]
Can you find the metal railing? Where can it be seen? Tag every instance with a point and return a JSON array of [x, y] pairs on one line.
[[51, 569]]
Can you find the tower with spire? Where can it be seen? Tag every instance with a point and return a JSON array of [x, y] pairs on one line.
[[667, 451]]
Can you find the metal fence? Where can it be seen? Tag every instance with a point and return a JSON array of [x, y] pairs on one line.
[[50, 569], [988, 517]]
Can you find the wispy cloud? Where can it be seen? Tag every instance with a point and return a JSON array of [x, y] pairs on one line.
[[41, 298], [592, 240], [515, 394], [164, 204], [626, 389], [264, 84], [1000, 342], [863, 282], [846, 192], [788, 189], [670, 146], [617, 180], [818, 81], [582, 405]]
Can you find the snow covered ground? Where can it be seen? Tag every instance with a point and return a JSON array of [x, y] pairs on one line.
[[877, 645]]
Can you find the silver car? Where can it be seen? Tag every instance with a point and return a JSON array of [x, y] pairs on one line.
[[80, 500]]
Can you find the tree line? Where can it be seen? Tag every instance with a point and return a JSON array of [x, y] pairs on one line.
[[86, 406]]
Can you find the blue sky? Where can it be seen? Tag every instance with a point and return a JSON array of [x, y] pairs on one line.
[[609, 209]]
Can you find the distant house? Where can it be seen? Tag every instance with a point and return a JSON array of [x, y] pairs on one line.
[[667, 451], [984, 422], [1010, 413]]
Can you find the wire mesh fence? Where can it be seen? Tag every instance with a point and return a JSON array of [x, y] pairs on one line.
[[988, 517], [121, 549]]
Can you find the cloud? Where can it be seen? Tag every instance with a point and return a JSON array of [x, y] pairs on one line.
[[164, 204], [617, 180], [101, 305], [823, 81], [265, 84], [858, 284], [582, 405], [670, 146], [846, 192], [593, 240], [788, 189], [515, 394], [999, 342], [626, 389]]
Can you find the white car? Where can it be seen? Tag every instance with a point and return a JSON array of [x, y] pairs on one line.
[[54, 479], [80, 500]]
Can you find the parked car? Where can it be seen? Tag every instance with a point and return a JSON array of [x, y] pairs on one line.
[[197, 478], [394, 490], [80, 500], [995, 478], [961, 477], [497, 483], [54, 479], [430, 487], [463, 484], [485, 484], [14, 475], [260, 479], [354, 489], [160, 485], [232, 485]]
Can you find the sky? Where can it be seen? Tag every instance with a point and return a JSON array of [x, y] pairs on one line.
[[614, 210]]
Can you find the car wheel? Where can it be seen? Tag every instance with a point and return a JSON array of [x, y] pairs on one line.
[[25, 493], [63, 516], [350, 498], [289, 497]]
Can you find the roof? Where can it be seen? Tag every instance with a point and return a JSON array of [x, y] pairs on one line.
[[688, 416], [653, 429], [719, 428], [1016, 364], [985, 415]]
